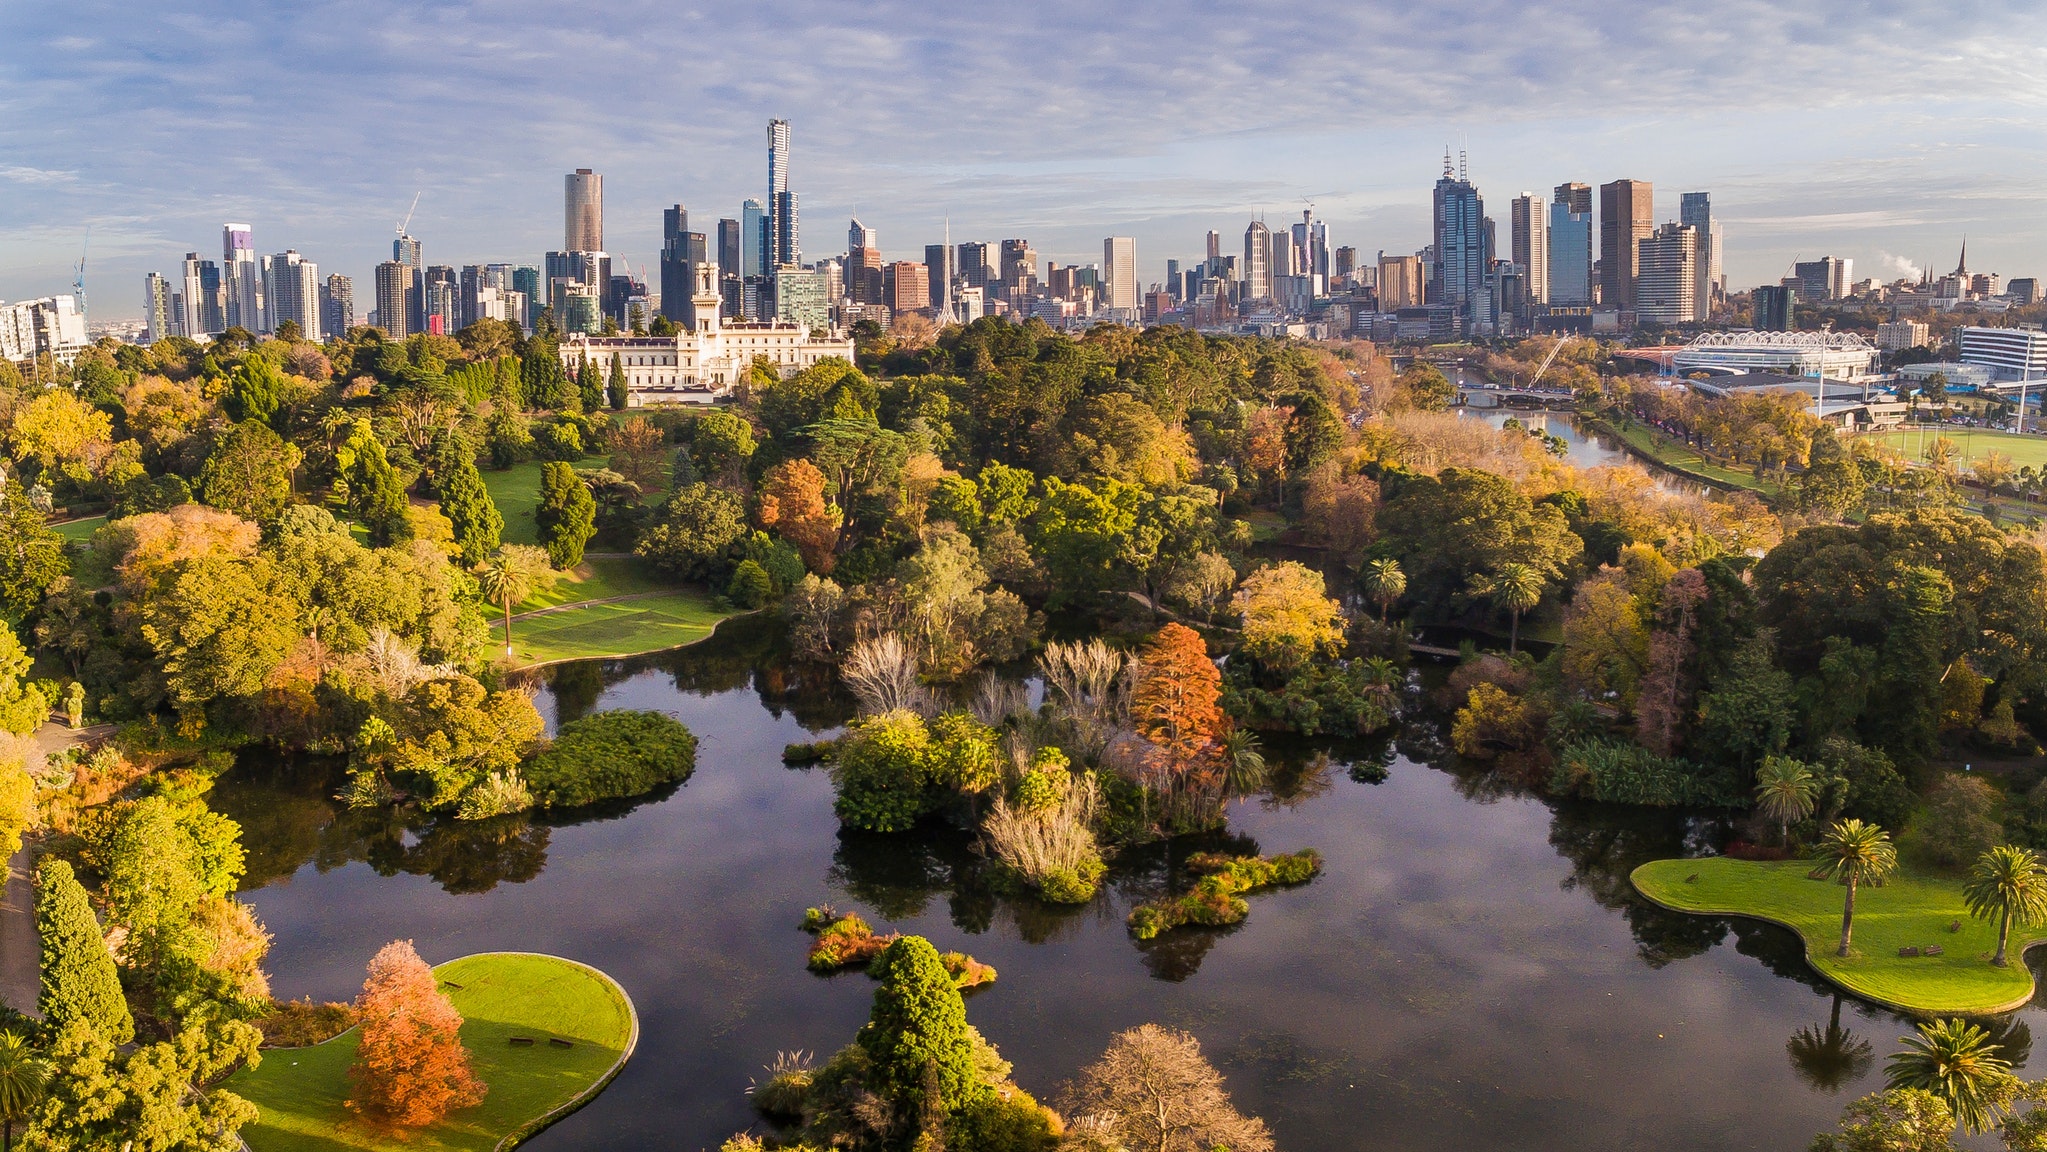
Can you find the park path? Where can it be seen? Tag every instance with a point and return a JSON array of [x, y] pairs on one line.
[[21, 952]]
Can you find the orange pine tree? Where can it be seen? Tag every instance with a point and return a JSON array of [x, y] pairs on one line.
[[1178, 687], [410, 1069], [792, 501]]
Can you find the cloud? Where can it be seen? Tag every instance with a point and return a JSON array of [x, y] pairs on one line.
[[21, 175]]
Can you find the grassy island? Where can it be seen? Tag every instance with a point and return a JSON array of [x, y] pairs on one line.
[[501, 995], [1906, 912]]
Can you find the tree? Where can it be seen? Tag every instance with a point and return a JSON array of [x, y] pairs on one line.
[[79, 980], [917, 1036], [57, 430], [1153, 1091], [567, 514], [1516, 587], [1851, 852], [723, 444], [695, 533], [1287, 619], [372, 491], [1956, 1061], [254, 391], [1900, 1120], [467, 503], [219, 630], [507, 436], [24, 1082], [410, 1068], [1175, 704], [1384, 582], [1462, 522], [1426, 387], [249, 472], [513, 574], [1785, 792], [636, 452], [792, 502], [614, 385], [2009, 884], [31, 555]]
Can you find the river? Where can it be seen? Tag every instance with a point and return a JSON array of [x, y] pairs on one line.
[[1470, 970]]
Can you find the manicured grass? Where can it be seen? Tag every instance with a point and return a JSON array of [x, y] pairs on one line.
[[664, 620], [1681, 458], [79, 531], [300, 1091], [597, 578], [1907, 911], [2025, 451], [516, 492]]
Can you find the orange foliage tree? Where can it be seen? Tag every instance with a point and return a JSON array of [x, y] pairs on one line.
[[1178, 689], [410, 1069], [792, 502]]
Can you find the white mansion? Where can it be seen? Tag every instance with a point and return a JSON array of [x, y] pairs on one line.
[[698, 367]]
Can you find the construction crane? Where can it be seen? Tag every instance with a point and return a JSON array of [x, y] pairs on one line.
[[78, 281], [407, 222]]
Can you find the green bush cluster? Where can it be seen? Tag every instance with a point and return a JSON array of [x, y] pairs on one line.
[[1217, 898], [1318, 699], [609, 756], [894, 769], [1617, 773]]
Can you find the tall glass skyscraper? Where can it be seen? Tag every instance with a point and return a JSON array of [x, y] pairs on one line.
[[1460, 235], [778, 243], [753, 227]]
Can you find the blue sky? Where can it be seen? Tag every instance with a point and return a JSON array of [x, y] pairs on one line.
[[1879, 131]]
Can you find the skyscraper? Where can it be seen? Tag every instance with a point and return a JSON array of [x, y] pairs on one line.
[[1667, 275], [241, 277], [157, 316], [779, 241], [291, 285], [731, 246], [1570, 247], [974, 266], [1400, 282], [677, 280], [1119, 277], [1257, 261], [1776, 307], [583, 211], [753, 220], [394, 298], [337, 305], [864, 275], [1696, 209], [1530, 245], [411, 253], [1019, 272], [1215, 244], [1460, 243], [1627, 215], [938, 265]]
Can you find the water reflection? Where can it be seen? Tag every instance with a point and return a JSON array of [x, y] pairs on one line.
[[1831, 1057]]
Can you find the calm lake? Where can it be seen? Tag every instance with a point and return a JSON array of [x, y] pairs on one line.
[[1469, 971]]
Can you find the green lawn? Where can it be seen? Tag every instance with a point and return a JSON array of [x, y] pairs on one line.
[[1906, 911], [1679, 457], [665, 620], [300, 1091], [597, 578], [516, 492], [2025, 451], [79, 531]]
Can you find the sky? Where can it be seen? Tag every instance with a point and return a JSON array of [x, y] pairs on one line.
[[1880, 131]]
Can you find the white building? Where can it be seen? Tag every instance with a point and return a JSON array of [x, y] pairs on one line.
[[1119, 278], [1835, 355], [52, 325], [2011, 353], [291, 291], [1898, 335], [698, 367]]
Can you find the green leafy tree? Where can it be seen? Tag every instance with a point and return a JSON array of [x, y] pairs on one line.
[[219, 630], [614, 386], [374, 495], [255, 391], [883, 773], [695, 533], [100, 1099], [507, 436], [1956, 1061], [466, 502], [1785, 792], [567, 515], [751, 586], [921, 1053], [2008, 884], [590, 387], [1314, 434], [1426, 387], [1899, 1120], [544, 380], [1516, 587], [1850, 853], [79, 980], [249, 472], [723, 444], [1444, 529], [31, 555]]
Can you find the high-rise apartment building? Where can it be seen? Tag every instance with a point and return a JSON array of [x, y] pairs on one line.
[[1529, 245], [1627, 216], [1696, 209], [1776, 307], [158, 317], [411, 253], [1400, 282], [779, 240], [1826, 278], [1215, 244], [1119, 277], [1460, 243], [583, 211], [337, 305], [394, 298], [200, 298], [242, 278], [291, 286], [1667, 275], [1257, 261], [753, 223]]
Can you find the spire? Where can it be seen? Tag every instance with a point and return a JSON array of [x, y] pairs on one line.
[[1962, 268], [1446, 162]]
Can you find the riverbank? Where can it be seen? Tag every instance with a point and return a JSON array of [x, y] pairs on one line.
[[1678, 458], [580, 1028], [1906, 913]]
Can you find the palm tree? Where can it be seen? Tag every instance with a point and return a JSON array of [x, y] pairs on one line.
[[1517, 587], [510, 576], [24, 1081], [1852, 852], [1244, 768], [1828, 1058], [1785, 791], [2009, 883], [1384, 582], [1956, 1061]]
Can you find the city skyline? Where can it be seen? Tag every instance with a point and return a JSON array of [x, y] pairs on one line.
[[1891, 179]]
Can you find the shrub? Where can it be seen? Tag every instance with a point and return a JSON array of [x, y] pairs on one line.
[[751, 586], [788, 1086], [1007, 1121], [298, 1023], [609, 756], [1051, 848], [883, 773], [842, 941], [497, 794], [1217, 897], [1618, 773], [1318, 699]]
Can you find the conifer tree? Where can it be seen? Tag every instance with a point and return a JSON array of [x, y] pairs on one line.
[[917, 1034], [410, 1068], [615, 387], [79, 981], [567, 515], [466, 502]]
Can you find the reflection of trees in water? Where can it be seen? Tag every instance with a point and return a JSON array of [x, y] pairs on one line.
[[1152, 871], [899, 875], [1605, 843], [1831, 1057]]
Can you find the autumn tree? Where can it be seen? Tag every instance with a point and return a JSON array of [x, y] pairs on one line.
[[792, 502], [1175, 705], [410, 1068], [636, 452], [1153, 1090], [1288, 620]]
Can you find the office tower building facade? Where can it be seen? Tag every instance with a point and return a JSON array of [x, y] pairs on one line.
[[241, 278], [1776, 307], [865, 277], [583, 211], [1119, 277], [199, 297], [753, 223], [337, 305], [1826, 278], [291, 285], [1528, 246], [158, 315], [411, 253], [779, 240], [1574, 197], [678, 275], [1696, 210], [1627, 216], [1667, 275], [1257, 261], [909, 287], [1460, 242], [1570, 254], [1400, 282], [394, 298], [940, 271], [975, 268], [1019, 272]]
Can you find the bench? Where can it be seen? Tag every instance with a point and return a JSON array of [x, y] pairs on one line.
[[522, 1041], [558, 1042]]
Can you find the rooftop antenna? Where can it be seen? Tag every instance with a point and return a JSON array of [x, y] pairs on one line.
[[1462, 169]]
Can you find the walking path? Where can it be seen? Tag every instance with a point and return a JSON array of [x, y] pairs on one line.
[[21, 951]]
